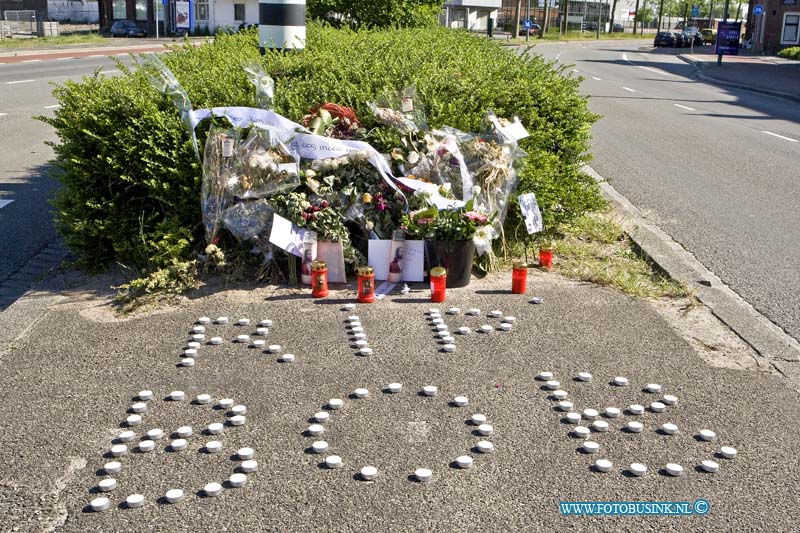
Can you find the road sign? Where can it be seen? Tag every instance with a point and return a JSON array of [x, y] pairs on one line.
[[758, 10], [695, 11], [728, 34]]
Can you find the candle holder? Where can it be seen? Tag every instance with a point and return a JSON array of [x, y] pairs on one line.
[[319, 279], [546, 257], [366, 284], [438, 277], [519, 277]]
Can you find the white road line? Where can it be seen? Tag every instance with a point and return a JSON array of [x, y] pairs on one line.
[[19, 81], [52, 106], [575, 70], [595, 78], [63, 58], [651, 69], [780, 136], [685, 107], [98, 55], [122, 55], [4, 203], [625, 58], [109, 72], [629, 89], [30, 61], [3, 114]]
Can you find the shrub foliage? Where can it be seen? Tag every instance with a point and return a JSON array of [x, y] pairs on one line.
[[793, 52], [132, 181]]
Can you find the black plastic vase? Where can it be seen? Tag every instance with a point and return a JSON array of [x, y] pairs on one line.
[[454, 256]]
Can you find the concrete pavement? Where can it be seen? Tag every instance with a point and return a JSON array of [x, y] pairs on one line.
[[72, 370]]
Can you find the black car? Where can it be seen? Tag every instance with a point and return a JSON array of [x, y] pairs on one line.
[[680, 39], [126, 28], [618, 27], [664, 38], [695, 39]]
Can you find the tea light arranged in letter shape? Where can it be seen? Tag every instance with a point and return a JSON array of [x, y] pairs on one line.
[[288, 358], [581, 432], [477, 419], [573, 417], [368, 473], [620, 381], [430, 390], [461, 401], [669, 429], [728, 452], [544, 376], [112, 467], [222, 320], [212, 489], [423, 475], [333, 461], [584, 376], [657, 407], [248, 466], [590, 447], [612, 412], [565, 405], [145, 395], [174, 496], [707, 435], [395, 387], [216, 341], [464, 330], [553, 384], [464, 461], [243, 322], [674, 469], [204, 320], [634, 427], [134, 500], [485, 446], [335, 403], [265, 323], [99, 505], [653, 388], [177, 396], [636, 409], [560, 394], [361, 393], [668, 399], [637, 469], [603, 465], [709, 466]]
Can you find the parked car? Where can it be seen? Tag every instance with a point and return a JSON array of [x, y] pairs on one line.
[[664, 38], [695, 39], [618, 27], [589, 26], [126, 28], [680, 39], [709, 35]]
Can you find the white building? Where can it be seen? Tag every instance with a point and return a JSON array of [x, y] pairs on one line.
[[472, 15]]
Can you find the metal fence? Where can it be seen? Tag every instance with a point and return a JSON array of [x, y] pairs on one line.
[[27, 23]]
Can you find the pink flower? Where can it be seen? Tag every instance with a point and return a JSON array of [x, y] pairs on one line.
[[474, 216], [424, 221]]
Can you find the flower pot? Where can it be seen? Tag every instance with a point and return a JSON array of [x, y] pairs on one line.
[[455, 256]]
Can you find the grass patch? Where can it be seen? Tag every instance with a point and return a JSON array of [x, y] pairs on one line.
[[579, 36], [594, 248], [77, 38]]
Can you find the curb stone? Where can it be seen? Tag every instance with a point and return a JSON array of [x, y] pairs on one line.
[[764, 336]]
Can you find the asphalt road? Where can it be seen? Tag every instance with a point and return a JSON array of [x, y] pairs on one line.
[[73, 373], [714, 167], [25, 187]]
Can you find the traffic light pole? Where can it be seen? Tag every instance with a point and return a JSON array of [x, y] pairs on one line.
[[724, 19]]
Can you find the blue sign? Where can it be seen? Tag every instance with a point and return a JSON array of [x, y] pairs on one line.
[[758, 10], [728, 34], [695, 11], [527, 24]]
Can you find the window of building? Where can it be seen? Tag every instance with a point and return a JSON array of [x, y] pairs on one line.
[[119, 9], [141, 9], [201, 10], [238, 12], [791, 24]]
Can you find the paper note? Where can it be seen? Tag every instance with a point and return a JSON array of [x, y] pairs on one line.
[[413, 261], [531, 213], [333, 255], [286, 236]]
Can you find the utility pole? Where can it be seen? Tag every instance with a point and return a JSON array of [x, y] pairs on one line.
[[636, 17], [711, 14], [546, 22], [739, 10], [613, 9], [599, 12], [515, 31], [724, 19], [644, 10]]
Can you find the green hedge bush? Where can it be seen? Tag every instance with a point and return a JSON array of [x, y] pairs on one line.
[[793, 52], [132, 181]]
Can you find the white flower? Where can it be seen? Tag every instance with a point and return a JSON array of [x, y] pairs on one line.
[[476, 191], [445, 189], [413, 158], [483, 238]]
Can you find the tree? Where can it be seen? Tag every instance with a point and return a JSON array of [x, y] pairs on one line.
[[372, 13]]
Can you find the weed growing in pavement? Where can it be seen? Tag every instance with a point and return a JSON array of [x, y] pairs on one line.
[[594, 248]]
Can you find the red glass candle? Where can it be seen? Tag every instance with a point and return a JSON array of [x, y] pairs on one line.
[[366, 285], [519, 278], [546, 258], [438, 284], [319, 279]]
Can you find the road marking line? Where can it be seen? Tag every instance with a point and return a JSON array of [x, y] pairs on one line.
[[52, 106], [685, 107], [596, 78], [780, 136], [30, 61], [629, 89], [625, 58], [109, 71], [3, 114], [651, 69], [122, 55], [4, 203], [63, 58], [575, 70], [98, 55], [18, 81]]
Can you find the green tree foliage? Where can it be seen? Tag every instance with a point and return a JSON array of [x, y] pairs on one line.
[[131, 181], [376, 13]]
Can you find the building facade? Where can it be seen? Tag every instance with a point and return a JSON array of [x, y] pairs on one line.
[[471, 15], [777, 28], [178, 16]]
